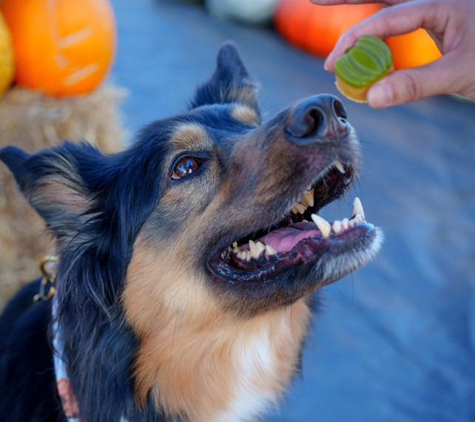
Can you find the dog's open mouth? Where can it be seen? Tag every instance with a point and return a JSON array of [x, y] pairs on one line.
[[302, 237]]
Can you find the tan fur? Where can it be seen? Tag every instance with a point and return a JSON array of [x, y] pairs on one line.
[[245, 115], [190, 137], [244, 94], [192, 348]]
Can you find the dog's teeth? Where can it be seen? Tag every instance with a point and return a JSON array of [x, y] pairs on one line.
[[270, 250], [307, 199], [259, 248], [337, 226], [323, 225], [235, 245], [299, 208], [255, 249], [242, 255], [339, 166], [358, 218], [345, 223], [358, 208]]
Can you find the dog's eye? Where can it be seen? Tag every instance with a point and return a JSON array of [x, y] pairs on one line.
[[185, 166]]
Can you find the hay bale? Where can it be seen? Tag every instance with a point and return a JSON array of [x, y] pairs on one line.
[[33, 121]]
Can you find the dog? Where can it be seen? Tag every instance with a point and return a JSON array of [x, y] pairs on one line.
[[186, 263]]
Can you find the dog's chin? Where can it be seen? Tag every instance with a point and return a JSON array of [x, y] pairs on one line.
[[286, 260]]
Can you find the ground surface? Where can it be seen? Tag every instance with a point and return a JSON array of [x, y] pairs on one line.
[[396, 341]]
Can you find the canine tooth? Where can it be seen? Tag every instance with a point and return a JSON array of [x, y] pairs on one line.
[[337, 226], [323, 225], [299, 208], [235, 245], [345, 223], [270, 250], [339, 166], [307, 198], [242, 255], [358, 208]]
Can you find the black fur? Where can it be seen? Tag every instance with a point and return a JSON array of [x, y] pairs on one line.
[[28, 387], [95, 244], [95, 206]]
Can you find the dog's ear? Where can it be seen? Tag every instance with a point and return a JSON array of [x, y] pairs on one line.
[[230, 82], [51, 182]]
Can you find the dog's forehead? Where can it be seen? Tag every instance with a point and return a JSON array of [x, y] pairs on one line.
[[217, 114], [190, 136], [208, 125]]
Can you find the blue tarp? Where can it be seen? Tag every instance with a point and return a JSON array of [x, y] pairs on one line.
[[395, 341]]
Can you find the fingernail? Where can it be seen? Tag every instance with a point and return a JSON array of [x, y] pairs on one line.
[[380, 95], [325, 66]]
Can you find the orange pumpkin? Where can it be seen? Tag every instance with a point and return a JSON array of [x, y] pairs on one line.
[[62, 48], [316, 29], [6, 57], [413, 50]]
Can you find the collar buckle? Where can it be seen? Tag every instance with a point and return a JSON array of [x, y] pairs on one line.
[[49, 270]]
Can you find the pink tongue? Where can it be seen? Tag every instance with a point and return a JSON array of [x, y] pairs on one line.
[[285, 239]]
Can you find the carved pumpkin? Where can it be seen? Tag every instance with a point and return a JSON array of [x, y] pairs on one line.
[[316, 29], [6, 57], [62, 48], [413, 50]]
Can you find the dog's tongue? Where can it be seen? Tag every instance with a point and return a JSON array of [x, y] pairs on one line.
[[285, 239]]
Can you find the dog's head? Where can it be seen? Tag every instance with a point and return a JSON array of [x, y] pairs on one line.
[[208, 213], [213, 200]]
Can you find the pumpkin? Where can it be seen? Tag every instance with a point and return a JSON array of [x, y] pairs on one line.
[[316, 29], [414, 49], [62, 48], [6, 57]]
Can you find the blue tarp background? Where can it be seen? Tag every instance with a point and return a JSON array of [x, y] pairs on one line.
[[395, 341]]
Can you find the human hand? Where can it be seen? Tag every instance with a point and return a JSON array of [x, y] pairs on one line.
[[451, 26]]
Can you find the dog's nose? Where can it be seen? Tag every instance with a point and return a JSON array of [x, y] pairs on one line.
[[321, 117]]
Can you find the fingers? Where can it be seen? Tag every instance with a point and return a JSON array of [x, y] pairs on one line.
[[397, 20], [335, 2], [413, 84]]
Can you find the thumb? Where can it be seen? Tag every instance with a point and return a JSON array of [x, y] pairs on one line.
[[413, 84]]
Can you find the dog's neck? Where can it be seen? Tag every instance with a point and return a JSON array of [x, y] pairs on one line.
[[204, 364], [222, 370]]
